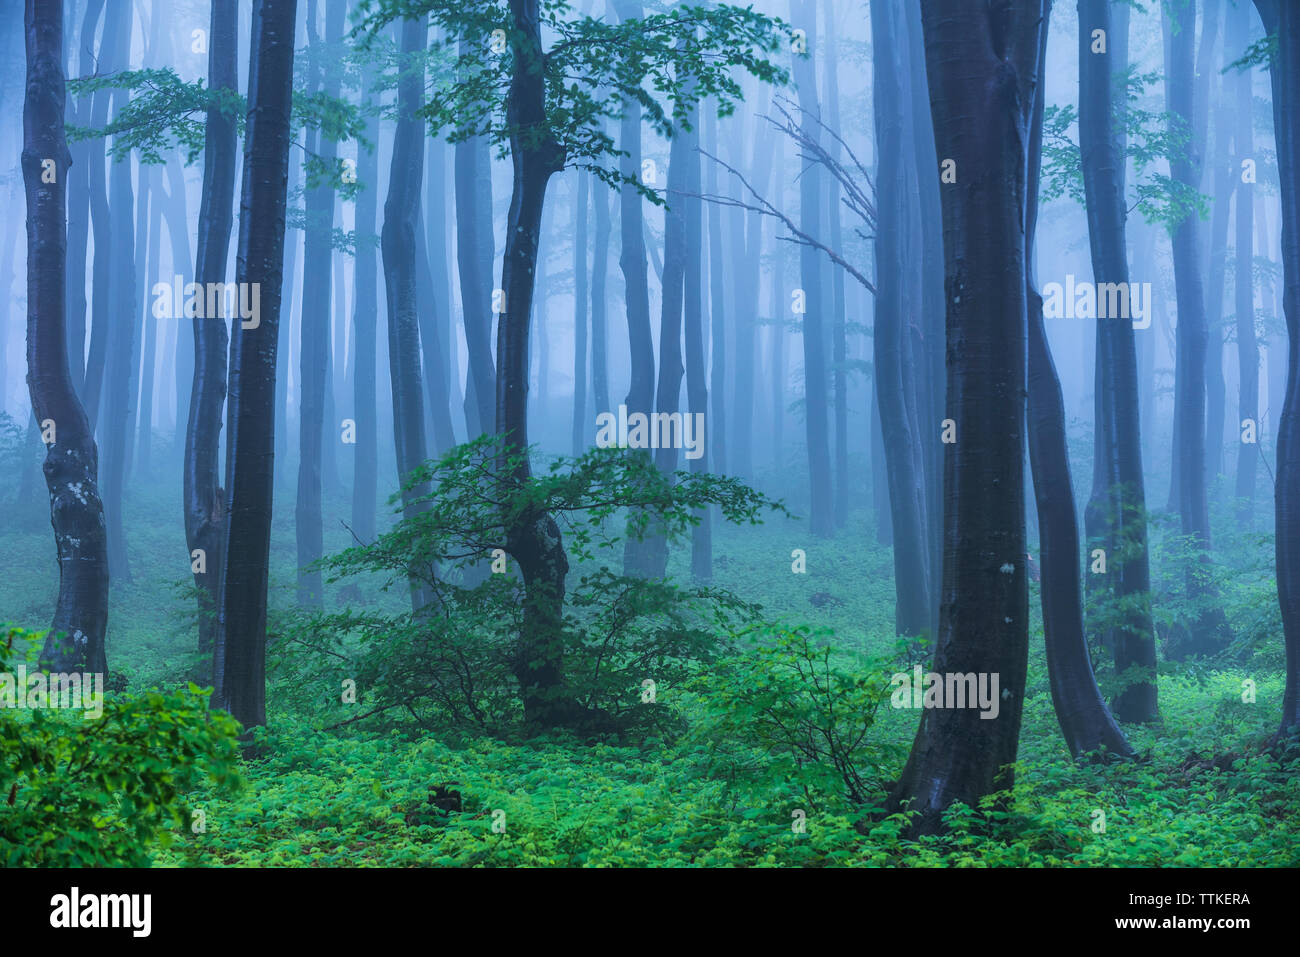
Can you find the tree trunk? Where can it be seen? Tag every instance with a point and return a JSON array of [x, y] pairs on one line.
[[1247, 344], [315, 328], [533, 537], [76, 638], [580, 429], [912, 572], [812, 272], [204, 496], [982, 66], [365, 477], [1209, 632], [1115, 515], [1283, 19], [1086, 722], [240, 653]]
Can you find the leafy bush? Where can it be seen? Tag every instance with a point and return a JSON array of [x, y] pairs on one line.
[[78, 791], [454, 662]]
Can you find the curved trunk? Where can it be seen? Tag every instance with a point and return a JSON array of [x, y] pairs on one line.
[[76, 638], [204, 497]]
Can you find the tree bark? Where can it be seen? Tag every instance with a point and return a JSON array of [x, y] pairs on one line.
[[982, 65], [1115, 514], [75, 641], [204, 496], [240, 653]]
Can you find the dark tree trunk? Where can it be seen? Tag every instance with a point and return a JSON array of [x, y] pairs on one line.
[[314, 358], [76, 638], [639, 557], [912, 572], [1086, 722], [1116, 519], [580, 429], [204, 496], [533, 537], [1283, 19], [401, 219], [240, 653], [365, 480], [982, 65], [1209, 632]]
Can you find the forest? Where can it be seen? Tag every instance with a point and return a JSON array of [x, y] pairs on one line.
[[631, 433]]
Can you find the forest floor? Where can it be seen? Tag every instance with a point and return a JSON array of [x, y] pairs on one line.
[[1201, 793]]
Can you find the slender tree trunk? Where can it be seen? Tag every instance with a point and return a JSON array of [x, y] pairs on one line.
[[1086, 722], [75, 641], [912, 572], [204, 496], [79, 205], [475, 252], [401, 219], [533, 537], [1209, 632], [1216, 388], [599, 325], [365, 482], [717, 305], [315, 329], [839, 337], [240, 653], [812, 273], [580, 429], [1247, 344], [122, 310], [1116, 519]]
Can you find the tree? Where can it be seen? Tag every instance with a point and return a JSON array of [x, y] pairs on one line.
[[895, 374], [1115, 516], [1208, 631], [982, 62], [315, 326], [397, 238], [1283, 21], [204, 497], [75, 641], [547, 123], [811, 272], [240, 654], [1086, 723], [365, 476]]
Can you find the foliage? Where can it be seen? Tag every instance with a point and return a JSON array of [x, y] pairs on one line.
[[83, 791], [667, 62], [451, 663], [1152, 140]]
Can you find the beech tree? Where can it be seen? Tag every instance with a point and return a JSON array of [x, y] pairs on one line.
[[983, 63], [75, 641], [240, 651]]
